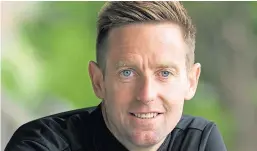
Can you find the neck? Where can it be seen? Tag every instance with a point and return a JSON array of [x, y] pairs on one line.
[[130, 146]]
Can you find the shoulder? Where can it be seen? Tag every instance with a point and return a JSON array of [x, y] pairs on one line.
[[52, 132], [197, 133], [194, 122], [196, 128]]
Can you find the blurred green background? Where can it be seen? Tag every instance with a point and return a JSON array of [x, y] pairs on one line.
[[46, 47]]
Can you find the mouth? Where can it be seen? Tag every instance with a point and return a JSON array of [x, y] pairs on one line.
[[145, 115]]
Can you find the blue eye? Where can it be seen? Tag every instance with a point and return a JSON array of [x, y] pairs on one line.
[[165, 73], [126, 73]]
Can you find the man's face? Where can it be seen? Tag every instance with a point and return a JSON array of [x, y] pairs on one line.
[[146, 82]]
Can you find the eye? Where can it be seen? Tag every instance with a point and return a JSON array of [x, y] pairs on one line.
[[165, 74], [126, 73]]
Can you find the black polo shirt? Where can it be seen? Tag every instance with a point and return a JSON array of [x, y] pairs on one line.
[[85, 130]]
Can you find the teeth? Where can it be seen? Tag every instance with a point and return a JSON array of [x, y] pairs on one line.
[[146, 116]]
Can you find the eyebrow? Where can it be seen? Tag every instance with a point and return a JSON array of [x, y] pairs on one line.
[[133, 64], [168, 65], [123, 64]]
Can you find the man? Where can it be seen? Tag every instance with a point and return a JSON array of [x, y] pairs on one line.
[[145, 70]]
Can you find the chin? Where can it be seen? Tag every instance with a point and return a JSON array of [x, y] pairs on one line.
[[146, 139]]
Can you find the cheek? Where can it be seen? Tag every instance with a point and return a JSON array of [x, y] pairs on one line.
[[173, 92], [172, 96], [118, 99], [119, 94], [173, 102]]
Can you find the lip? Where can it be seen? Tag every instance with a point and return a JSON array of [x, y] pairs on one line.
[[146, 112], [145, 119]]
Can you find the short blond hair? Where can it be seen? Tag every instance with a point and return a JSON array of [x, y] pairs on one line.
[[115, 14]]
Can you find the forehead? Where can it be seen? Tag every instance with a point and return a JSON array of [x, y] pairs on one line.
[[155, 41]]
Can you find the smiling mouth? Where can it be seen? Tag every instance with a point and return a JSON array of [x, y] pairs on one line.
[[145, 115]]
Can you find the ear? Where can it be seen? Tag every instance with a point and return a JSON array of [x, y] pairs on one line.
[[96, 77], [193, 79]]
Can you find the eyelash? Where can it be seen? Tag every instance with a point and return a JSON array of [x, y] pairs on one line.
[[163, 77], [121, 71], [133, 72]]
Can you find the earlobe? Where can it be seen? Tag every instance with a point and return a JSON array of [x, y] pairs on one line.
[[193, 78], [96, 77]]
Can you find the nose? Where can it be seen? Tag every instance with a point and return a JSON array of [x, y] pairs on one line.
[[146, 91]]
